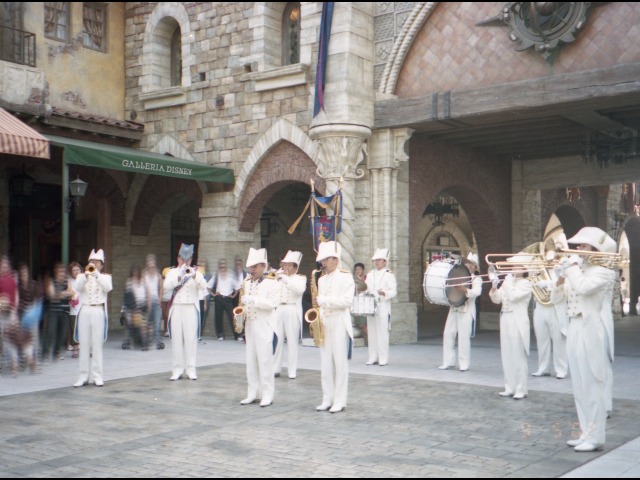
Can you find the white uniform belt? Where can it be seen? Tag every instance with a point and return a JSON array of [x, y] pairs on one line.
[[95, 305], [284, 303], [334, 313]]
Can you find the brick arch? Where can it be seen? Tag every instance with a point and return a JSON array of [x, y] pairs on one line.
[[282, 130], [481, 184], [285, 164], [157, 192]]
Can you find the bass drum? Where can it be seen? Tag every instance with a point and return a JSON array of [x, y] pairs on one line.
[[440, 280]]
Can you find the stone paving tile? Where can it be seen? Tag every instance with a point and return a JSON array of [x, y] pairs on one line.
[[393, 427]]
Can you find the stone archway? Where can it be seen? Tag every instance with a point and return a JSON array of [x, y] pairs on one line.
[[284, 154]]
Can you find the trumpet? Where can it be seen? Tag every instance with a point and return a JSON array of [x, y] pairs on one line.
[[90, 268]]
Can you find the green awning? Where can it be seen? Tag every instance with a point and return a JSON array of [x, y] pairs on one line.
[[90, 154]]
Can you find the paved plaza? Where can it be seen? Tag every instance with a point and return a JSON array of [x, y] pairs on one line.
[[407, 419]]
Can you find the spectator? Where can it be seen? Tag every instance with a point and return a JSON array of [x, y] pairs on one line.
[[136, 303], [29, 292], [224, 288], [58, 291], [8, 304], [153, 282], [75, 269], [205, 296]]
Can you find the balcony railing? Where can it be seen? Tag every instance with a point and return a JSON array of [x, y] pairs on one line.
[[17, 46]]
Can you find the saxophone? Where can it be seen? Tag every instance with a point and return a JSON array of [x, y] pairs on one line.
[[239, 315], [312, 316]]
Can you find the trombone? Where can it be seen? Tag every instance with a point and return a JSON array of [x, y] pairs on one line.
[[612, 261]]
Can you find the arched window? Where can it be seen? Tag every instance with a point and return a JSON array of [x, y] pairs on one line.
[[176, 58], [291, 34]]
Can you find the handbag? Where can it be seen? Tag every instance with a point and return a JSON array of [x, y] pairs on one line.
[[32, 315]]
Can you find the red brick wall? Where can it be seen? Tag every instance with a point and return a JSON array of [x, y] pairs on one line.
[[284, 165], [452, 53], [480, 184]]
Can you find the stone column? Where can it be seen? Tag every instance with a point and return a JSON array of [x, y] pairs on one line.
[[341, 149], [526, 211], [344, 125], [389, 184], [219, 234]]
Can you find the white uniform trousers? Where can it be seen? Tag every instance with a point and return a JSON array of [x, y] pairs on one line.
[[549, 338], [91, 338], [259, 350], [334, 361], [589, 392], [460, 324], [288, 324], [184, 338], [514, 355], [378, 336]]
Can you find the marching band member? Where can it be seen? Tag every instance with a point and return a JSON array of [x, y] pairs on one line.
[[91, 322], [186, 284], [514, 295], [289, 312], [335, 296], [259, 298], [381, 283], [550, 325], [460, 321], [589, 291]]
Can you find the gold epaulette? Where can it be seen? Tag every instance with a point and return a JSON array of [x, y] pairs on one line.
[[271, 275], [345, 271], [165, 271]]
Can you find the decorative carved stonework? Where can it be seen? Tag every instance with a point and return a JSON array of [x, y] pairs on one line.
[[544, 26], [340, 156]]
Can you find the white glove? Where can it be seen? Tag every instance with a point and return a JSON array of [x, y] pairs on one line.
[[321, 300], [543, 284], [495, 283], [248, 299], [576, 259], [284, 279], [96, 273]]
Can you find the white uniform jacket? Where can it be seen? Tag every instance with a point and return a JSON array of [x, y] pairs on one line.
[[383, 280], [265, 293], [93, 290], [592, 288], [189, 293], [292, 288], [514, 295], [338, 289]]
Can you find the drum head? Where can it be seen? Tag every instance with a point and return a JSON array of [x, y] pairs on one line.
[[455, 296]]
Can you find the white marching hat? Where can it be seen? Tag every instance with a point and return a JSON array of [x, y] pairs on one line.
[[595, 237], [292, 257], [381, 254], [328, 249], [257, 256], [473, 257], [99, 255]]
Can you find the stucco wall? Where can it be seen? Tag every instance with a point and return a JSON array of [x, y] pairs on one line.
[[81, 79]]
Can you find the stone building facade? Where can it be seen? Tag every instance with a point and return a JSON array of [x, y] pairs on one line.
[[423, 100]]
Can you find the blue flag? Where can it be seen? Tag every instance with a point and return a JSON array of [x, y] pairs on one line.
[[325, 32]]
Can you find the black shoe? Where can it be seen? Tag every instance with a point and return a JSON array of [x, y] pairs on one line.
[[160, 346]]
